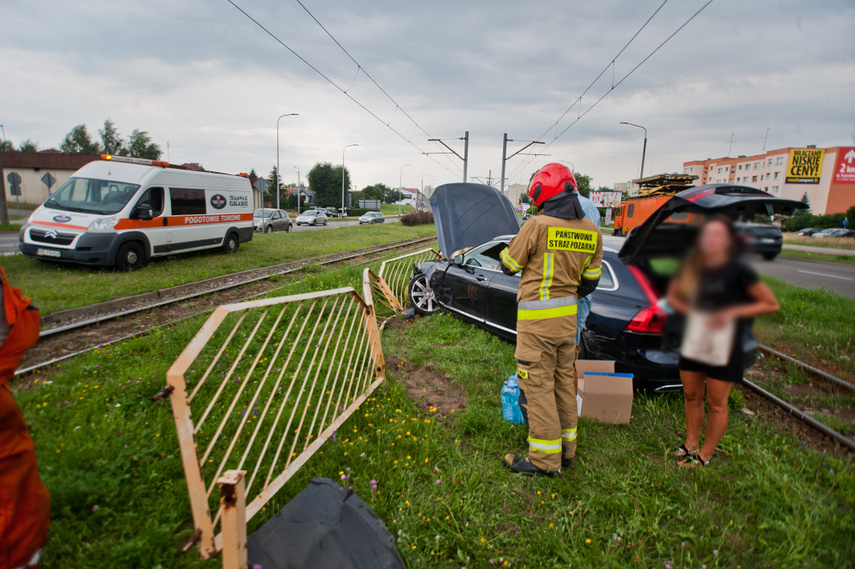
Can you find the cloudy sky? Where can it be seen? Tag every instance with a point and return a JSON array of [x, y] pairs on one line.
[[204, 78]]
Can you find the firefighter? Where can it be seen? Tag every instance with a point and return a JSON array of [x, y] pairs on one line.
[[24, 499], [560, 255]]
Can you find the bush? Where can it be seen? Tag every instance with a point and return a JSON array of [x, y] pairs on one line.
[[803, 220], [417, 218], [357, 211]]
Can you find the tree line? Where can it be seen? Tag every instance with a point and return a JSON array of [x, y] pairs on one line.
[[78, 141]]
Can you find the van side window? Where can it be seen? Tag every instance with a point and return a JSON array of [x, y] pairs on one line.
[[154, 198], [630, 210], [187, 202]]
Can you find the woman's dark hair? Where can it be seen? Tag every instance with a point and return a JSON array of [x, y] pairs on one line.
[[693, 265]]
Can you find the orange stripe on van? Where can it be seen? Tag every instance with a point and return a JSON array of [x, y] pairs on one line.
[[63, 225], [179, 220]]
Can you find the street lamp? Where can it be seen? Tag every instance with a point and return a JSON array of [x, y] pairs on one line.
[[342, 176], [299, 187], [277, 158], [644, 149], [572, 166], [400, 184]]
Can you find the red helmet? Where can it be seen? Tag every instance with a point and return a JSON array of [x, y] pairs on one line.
[[550, 181]]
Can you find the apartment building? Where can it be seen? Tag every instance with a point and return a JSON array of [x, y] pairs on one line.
[[826, 175]]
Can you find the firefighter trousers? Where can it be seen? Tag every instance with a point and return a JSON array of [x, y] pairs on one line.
[[546, 358]]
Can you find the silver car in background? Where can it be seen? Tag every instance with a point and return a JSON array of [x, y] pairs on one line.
[[372, 217], [312, 217], [268, 220]]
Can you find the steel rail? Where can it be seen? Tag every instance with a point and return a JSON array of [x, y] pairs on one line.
[[801, 415], [54, 361], [325, 260], [809, 368]]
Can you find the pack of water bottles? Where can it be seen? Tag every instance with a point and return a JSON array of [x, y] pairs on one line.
[[511, 411]]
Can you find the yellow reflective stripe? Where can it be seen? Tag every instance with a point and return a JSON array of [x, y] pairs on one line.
[[548, 269], [593, 273], [509, 261], [568, 434], [548, 447], [546, 313]]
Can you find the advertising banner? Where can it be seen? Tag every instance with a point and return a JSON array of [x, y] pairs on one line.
[[609, 198], [844, 170], [805, 166]]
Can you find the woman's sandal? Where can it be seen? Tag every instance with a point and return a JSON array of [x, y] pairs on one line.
[[684, 452], [692, 461]]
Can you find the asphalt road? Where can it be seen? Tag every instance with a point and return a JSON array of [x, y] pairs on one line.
[[8, 243], [836, 277]]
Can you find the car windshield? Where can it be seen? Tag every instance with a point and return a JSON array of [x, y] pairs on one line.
[[263, 212], [311, 212], [90, 195]]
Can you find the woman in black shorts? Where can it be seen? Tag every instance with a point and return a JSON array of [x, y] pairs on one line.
[[713, 280]]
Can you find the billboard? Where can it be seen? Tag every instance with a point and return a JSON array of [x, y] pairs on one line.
[[844, 170], [606, 198], [805, 166]]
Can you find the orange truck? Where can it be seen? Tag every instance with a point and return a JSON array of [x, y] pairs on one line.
[[655, 191]]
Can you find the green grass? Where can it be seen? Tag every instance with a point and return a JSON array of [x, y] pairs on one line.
[[56, 287], [392, 209], [813, 325], [13, 227], [766, 500], [796, 254]]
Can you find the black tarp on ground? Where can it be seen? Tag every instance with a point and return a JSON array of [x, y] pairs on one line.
[[324, 527]]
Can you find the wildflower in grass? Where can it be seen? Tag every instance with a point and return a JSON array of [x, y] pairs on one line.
[[438, 482], [95, 508], [715, 551], [588, 541]]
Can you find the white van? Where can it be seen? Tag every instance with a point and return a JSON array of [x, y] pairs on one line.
[[122, 211]]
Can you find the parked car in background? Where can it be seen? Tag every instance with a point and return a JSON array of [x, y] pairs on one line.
[[267, 220], [372, 217], [628, 323], [831, 232], [765, 240], [807, 231], [330, 213], [312, 217]]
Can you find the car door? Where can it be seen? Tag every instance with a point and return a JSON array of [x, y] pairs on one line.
[[467, 281]]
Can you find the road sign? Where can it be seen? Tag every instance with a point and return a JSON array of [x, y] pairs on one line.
[[260, 185], [14, 183], [48, 180]]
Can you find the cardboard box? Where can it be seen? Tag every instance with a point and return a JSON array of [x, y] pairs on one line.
[[606, 395]]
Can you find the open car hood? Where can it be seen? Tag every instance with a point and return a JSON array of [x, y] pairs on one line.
[[470, 214], [657, 236]]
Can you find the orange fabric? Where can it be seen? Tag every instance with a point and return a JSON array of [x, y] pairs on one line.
[[24, 499]]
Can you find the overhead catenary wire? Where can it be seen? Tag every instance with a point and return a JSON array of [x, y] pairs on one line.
[[615, 85], [345, 91]]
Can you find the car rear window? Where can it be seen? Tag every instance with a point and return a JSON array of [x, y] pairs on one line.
[[763, 231]]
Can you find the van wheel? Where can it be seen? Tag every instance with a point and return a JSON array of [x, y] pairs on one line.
[[130, 257], [231, 243]]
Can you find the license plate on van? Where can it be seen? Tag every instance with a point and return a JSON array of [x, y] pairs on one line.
[[48, 253]]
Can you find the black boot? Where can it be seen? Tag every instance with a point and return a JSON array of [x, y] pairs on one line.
[[521, 465]]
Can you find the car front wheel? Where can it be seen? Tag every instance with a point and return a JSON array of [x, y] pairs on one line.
[[422, 296]]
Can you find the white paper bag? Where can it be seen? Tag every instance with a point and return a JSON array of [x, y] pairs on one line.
[[702, 343]]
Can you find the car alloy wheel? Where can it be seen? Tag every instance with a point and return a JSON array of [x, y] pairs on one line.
[[422, 296]]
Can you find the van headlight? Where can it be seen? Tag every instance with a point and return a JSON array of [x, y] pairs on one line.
[[104, 223]]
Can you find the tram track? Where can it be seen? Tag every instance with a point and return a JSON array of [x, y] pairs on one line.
[[80, 330], [825, 396]]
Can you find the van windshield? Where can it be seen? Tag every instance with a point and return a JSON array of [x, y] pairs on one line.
[[90, 195]]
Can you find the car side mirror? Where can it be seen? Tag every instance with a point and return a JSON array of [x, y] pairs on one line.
[[143, 212], [458, 260]]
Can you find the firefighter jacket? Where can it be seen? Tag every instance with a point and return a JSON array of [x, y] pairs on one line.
[[562, 260], [24, 499]]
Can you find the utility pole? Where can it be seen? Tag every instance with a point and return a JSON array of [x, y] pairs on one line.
[[730, 148], [4, 213], [465, 156], [505, 157], [765, 138]]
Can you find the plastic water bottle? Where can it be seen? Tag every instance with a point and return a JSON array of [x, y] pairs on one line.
[[511, 411]]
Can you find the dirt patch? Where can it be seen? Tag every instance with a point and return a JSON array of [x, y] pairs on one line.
[[432, 391]]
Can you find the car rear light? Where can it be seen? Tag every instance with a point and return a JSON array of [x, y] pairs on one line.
[[650, 320]]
